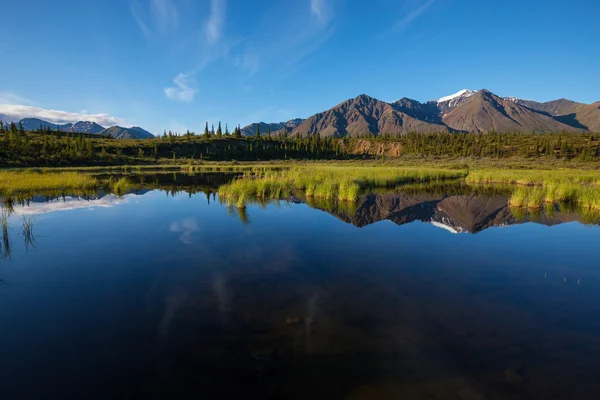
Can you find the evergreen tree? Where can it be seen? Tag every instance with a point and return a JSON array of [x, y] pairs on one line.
[[219, 131], [257, 130], [212, 130], [206, 133], [226, 130], [269, 133]]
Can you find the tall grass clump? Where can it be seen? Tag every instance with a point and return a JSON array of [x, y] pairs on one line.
[[6, 244], [28, 231], [120, 186]]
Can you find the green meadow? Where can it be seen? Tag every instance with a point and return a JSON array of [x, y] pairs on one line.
[[340, 182]]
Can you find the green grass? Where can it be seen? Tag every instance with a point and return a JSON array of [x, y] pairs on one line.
[[538, 187], [533, 177], [120, 186], [28, 181], [326, 182]]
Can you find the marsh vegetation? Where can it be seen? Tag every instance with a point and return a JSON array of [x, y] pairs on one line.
[[325, 182]]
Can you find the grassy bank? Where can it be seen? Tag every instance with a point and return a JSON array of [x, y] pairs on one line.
[[537, 188], [30, 181], [326, 182]]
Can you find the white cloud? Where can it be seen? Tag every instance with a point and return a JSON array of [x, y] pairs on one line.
[[213, 28], [412, 15], [182, 91], [69, 203], [17, 112], [186, 227]]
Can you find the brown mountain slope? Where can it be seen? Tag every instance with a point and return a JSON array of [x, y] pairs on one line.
[[364, 115], [485, 112], [585, 116]]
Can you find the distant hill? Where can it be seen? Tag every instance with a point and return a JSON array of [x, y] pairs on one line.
[[83, 127], [276, 128], [32, 124], [118, 132], [476, 111]]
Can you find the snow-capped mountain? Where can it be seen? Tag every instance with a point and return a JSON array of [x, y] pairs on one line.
[[453, 100], [83, 126]]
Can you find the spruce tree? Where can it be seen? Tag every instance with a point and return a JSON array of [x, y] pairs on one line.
[[206, 133], [257, 130], [219, 131], [212, 130], [226, 130]]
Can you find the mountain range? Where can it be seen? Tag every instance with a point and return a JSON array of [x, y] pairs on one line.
[[117, 132], [466, 111]]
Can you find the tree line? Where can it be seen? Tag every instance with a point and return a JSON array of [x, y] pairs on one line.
[[45, 146]]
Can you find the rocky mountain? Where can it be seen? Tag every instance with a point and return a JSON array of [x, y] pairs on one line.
[[579, 115], [483, 111], [365, 115], [118, 132], [449, 102], [83, 127], [5, 119], [276, 128], [32, 124], [465, 111]]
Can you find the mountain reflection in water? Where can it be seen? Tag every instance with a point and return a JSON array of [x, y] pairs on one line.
[[165, 292]]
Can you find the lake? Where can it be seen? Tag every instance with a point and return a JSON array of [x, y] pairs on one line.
[[438, 292]]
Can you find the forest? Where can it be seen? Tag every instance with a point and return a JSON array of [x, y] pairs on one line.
[[45, 147]]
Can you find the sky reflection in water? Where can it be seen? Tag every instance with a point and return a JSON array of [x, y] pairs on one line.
[[152, 294]]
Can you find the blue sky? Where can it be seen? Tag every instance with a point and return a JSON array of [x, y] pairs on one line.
[[174, 64]]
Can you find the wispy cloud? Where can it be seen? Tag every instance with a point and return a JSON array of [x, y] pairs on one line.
[[165, 14], [159, 17], [319, 10], [11, 98], [182, 91], [137, 15], [17, 112], [250, 61], [186, 227], [213, 28], [412, 15]]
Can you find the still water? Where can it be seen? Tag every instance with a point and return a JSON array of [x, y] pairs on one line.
[[420, 294]]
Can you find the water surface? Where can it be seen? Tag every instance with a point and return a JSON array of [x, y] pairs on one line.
[[410, 293]]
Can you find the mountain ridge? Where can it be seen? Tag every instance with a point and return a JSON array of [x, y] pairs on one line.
[[477, 111]]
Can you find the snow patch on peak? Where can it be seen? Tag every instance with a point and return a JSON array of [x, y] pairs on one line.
[[449, 228], [462, 93]]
